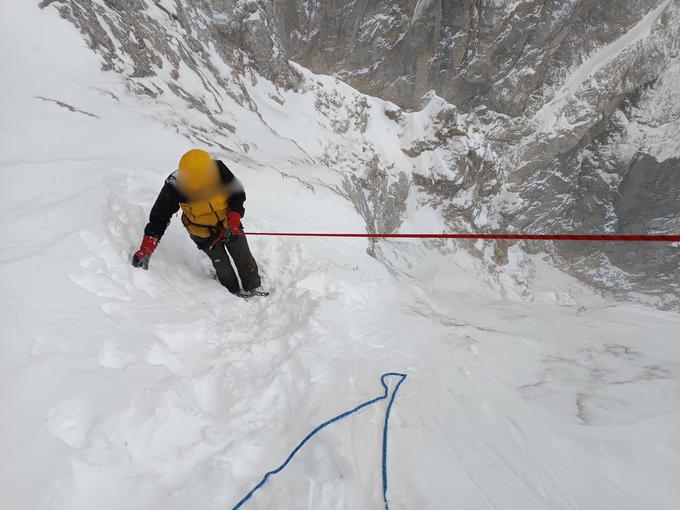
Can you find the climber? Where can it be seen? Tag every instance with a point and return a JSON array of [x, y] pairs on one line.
[[211, 199]]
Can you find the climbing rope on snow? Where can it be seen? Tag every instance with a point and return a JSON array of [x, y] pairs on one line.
[[386, 424], [643, 238], [339, 417]]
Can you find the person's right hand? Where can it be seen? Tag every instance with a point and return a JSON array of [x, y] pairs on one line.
[[142, 256]]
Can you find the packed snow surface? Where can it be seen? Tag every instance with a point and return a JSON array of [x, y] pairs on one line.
[[130, 389]]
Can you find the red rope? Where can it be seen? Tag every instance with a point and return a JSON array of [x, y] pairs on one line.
[[649, 238]]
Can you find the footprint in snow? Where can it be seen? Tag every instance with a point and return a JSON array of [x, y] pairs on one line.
[[70, 422], [112, 356]]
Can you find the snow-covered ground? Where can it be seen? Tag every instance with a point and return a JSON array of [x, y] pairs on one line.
[[121, 388]]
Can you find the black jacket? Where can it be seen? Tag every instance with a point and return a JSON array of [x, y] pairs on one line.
[[170, 197]]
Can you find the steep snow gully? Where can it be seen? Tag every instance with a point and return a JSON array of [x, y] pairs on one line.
[[122, 388]]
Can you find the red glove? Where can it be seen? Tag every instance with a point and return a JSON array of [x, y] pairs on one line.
[[234, 223], [142, 256]]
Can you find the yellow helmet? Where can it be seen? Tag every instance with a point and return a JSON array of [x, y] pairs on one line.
[[197, 173]]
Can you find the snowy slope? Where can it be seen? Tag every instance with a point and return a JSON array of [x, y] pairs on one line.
[[146, 390]]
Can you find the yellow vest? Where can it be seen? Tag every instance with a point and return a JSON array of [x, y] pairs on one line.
[[203, 218]]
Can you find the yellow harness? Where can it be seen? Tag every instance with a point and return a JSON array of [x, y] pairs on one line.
[[203, 218]]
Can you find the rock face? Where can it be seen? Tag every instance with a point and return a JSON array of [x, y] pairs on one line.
[[540, 115], [471, 52]]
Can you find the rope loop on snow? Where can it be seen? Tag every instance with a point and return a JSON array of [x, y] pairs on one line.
[[337, 418]]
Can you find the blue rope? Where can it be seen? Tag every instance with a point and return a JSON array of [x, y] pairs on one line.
[[402, 377], [339, 417]]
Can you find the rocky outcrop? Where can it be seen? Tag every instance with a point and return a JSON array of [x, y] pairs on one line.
[[471, 52]]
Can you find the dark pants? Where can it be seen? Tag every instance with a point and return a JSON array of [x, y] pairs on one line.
[[243, 260]]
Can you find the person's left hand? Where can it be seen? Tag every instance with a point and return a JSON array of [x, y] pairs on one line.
[[234, 223]]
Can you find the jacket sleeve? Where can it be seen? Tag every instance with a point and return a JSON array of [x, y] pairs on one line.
[[238, 195], [166, 205]]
